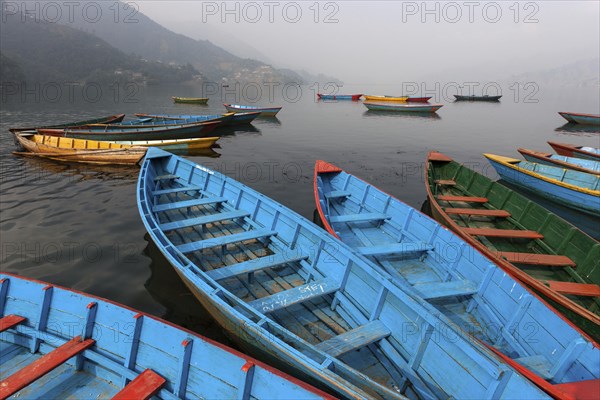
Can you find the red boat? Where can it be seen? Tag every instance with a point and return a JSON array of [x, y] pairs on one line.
[[570, 150], [418, 99]]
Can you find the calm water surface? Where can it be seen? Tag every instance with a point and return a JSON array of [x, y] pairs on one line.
[[78, 226]]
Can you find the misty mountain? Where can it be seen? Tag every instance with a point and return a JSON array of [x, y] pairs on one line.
[[40, 51], [134, 33], [10, 71], [583, 73]]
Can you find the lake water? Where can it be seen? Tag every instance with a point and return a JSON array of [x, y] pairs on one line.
[[78, 225]]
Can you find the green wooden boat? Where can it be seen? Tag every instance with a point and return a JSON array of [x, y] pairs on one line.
[[190, 100], [556, 259], [111, 119]]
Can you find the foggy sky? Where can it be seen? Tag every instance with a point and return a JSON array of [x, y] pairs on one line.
[[393, 41]]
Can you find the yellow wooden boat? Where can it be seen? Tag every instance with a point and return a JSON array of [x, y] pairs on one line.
[[79, 150], [193, 143], [386, 98], [190, 100]]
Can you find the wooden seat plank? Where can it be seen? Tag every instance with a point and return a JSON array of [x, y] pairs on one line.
[[445, 182], [394, 248], [440, 290], [176, 190], [295, 295], [10, 321], [143, 387], [354, 339], [578, 289], [225, 240], [478, 212], [468, 199], [550, 260], [360, 217], [503, 233], [40, 367], [336, 194], [582, 390], [254, 265], [166, 177], [206, 219], [188, 203]]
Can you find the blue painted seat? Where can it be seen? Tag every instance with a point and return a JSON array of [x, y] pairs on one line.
[[188, 203], [225, 240], [360, 217], [440, 290], [166, 177], [206, 219], [336, 194], [354, 339], [296, 295], [254, 265], [190, 188], [394, 248]]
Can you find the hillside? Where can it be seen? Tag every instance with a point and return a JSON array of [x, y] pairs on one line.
[[45, 52]]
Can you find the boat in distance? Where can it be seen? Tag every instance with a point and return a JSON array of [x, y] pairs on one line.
[[434, 264], [410, 108], [570, 150], [159, 132], [305, 299], [578, 164], [579, 118], [61, 343], [79, 150], [402, 99], [196, 143], [190, 100], [418, 99], [111, 119], [353, 97], [548, 254], [574, 189], [476, 98], [264, 111], [227, 119]]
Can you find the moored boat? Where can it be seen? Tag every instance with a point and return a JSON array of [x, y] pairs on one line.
[[436, 265], [353, 97], [579, 118], [197, 143], [190, 100], [402, 99], [78, 150], [410, 108], [578, 164], [264, 111], [60, 343], [159, 132], [575, 189], [111, 119], [227, 119], [570, 150], [305, 299], [535, 246], [476, 98]]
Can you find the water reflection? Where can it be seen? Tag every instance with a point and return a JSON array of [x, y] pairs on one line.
[[274, 121], [578, 130]]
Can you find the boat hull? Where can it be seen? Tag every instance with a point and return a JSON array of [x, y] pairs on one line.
[[402, 99], [102, 120], [477, 98], [228, 119], [583, 119], [569, 150], [199, 143], [406, 108], [264, 112], [353, 97], [81, 151], [190, 100], [582, 200]]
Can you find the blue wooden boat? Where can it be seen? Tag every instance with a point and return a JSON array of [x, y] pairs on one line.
[[287, 291], [264, 111], [353, 97], [476, 98], [432, 263], [57, 343], [154, 122], [574, 189], [159, 132], [578, 118], [400, 107], [556, 160], [235, 119]]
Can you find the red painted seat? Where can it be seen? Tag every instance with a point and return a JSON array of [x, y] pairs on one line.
[[478, 212], [144, 386], [579, 289], [446, 182], [10, 321], [550, 260], [503, 233], [468, 199]]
